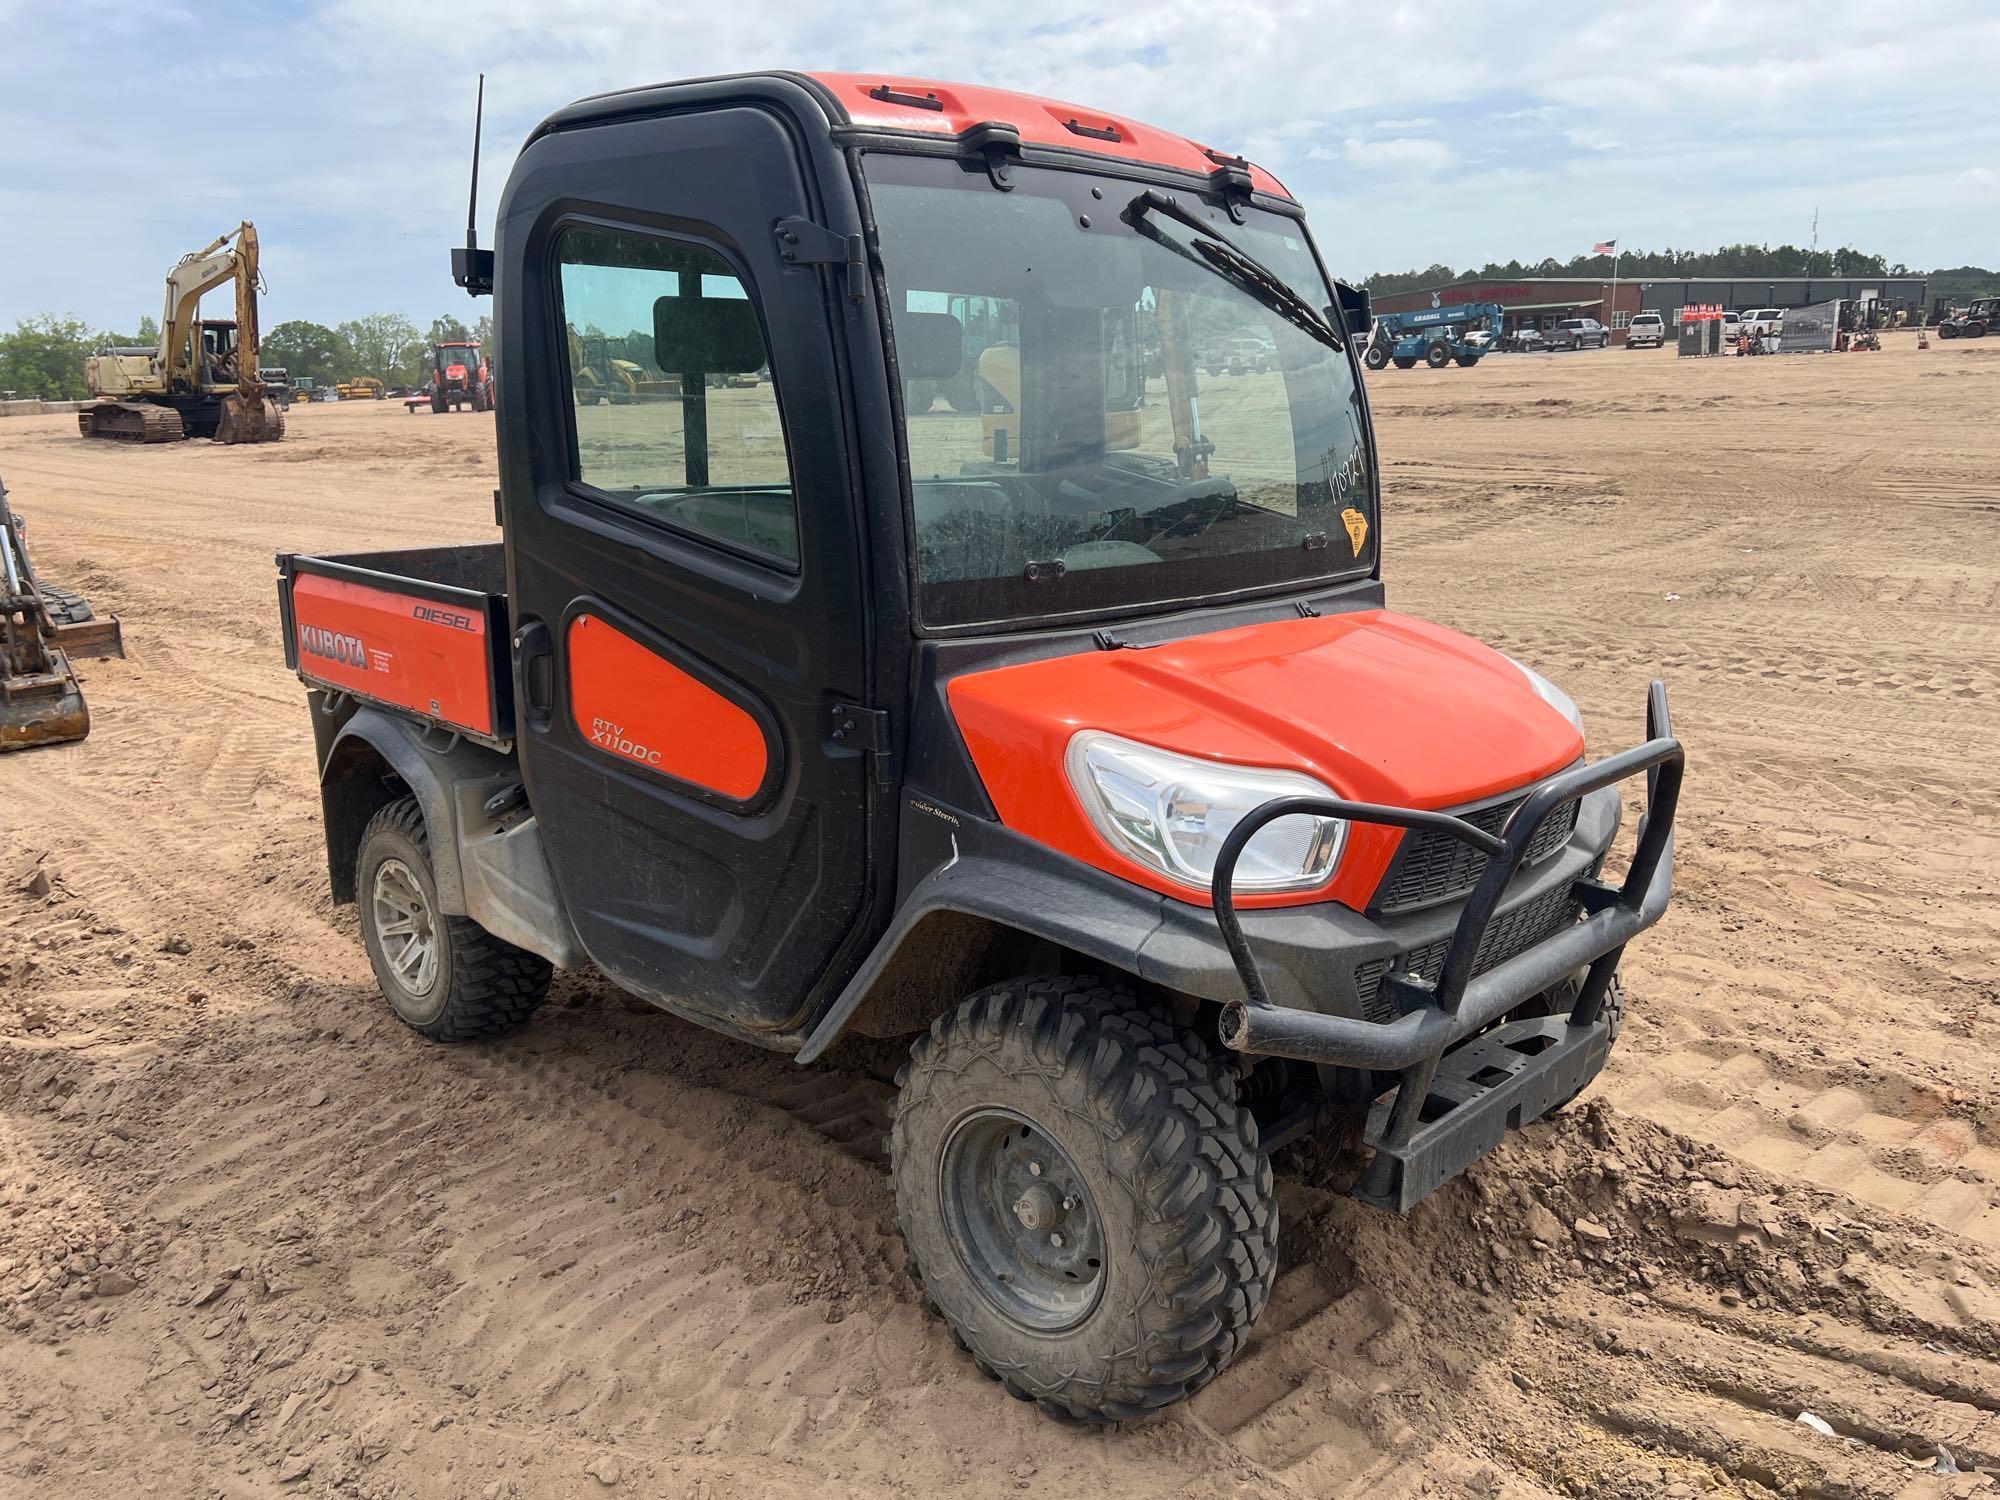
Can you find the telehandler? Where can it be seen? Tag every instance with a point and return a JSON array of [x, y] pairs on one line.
[[1079, 746], [201, 380]]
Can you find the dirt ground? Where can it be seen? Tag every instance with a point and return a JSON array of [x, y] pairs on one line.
[[256, 1237]]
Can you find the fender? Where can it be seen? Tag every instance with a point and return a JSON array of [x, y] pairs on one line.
[[493, 870], [428, 768], [1022, 887]]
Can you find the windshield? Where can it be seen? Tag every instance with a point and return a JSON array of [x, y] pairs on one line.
[[1099, 415]]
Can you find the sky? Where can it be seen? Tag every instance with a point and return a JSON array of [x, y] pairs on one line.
[[1414, 132]]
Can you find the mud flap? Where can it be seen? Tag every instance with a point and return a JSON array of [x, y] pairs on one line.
[[1498, 1081]]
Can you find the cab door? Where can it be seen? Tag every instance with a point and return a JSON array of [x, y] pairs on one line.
[[686, 563]]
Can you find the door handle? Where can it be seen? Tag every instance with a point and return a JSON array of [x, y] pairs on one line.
[[534, 672]]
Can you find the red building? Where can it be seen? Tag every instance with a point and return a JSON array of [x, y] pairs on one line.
[[1531, 302]]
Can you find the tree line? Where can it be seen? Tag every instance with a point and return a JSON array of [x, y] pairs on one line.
[[43, 356], [1745, 262]]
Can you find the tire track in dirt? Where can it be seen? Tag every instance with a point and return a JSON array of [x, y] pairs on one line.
[[621, 1233]]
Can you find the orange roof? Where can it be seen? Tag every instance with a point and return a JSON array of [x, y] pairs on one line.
[[878, 101]]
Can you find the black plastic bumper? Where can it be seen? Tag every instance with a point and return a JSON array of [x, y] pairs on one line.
[[1430, 1128]]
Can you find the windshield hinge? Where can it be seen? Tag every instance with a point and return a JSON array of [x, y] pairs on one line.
[[999, 145], [804, 243], [1233, 181]]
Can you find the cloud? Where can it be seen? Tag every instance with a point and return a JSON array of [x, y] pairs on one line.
[[1686, 121], [1412, 153], [1982, 183]]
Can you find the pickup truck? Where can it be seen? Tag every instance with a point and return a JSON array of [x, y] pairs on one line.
[[1647, 330], [1578, 333], [1758, 321], [1083, 755]]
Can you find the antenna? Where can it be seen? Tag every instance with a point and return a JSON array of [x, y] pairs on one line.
[[473, 199], [472, 268]]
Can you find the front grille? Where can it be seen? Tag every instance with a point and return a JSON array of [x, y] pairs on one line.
[[1507, 934], [1432, 866]]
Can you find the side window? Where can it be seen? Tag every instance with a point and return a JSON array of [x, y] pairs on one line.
[[675, 414]]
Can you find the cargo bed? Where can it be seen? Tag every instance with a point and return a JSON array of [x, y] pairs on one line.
[[421, 630]]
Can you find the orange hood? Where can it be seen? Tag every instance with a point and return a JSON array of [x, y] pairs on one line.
[[1378, 706]]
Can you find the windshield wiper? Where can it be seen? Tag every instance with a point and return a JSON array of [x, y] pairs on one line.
[[1234, 264]]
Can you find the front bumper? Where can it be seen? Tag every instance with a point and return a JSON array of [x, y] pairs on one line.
[[1448, 1110]]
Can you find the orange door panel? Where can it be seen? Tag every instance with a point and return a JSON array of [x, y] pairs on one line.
[[634, 704]]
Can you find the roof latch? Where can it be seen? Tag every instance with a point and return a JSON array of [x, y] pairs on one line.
[[889, 94], [999, 144], [804, 243]]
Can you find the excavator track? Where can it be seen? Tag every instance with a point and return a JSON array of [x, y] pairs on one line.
[[130, 422]]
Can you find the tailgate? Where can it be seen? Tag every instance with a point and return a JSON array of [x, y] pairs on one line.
[[433, 648]]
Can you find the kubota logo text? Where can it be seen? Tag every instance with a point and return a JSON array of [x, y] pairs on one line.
[[348, 650], [612, 737]]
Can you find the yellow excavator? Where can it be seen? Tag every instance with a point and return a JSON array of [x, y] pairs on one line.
[[202, 379]]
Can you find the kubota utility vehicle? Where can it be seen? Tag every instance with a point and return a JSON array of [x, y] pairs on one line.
[[1069, 735]]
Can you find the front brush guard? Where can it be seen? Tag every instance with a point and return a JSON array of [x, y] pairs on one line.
[[1412, 1155]]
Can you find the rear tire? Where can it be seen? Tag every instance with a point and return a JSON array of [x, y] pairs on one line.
[[1083, 1198], [446, 977], [1406, 362], [1437, 356], [1376, 357]]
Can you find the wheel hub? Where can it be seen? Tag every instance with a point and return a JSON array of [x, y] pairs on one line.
[[1022, 1220], [405, 927]]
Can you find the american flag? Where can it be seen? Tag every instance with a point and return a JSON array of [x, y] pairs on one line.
[[1604, 247]]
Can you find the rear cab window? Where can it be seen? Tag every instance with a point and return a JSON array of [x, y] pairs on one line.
[[674, 415]]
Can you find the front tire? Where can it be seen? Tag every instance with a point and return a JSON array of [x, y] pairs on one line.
[[1437, 356], [445, 976], [1085, 1201], [1376, 357]]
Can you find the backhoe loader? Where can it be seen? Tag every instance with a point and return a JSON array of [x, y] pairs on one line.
[[202, 379], [41, 628]]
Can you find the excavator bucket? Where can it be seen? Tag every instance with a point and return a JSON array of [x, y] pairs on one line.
[[246, 421], [42, 708], [40, 629]]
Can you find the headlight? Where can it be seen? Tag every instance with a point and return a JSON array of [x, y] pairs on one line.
[[1172, 813], [1552, 695]]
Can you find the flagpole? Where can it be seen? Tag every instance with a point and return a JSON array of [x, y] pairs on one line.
[[1618, 254], [1617, 257]]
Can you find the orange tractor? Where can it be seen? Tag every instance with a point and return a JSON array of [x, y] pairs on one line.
[[460, 378]]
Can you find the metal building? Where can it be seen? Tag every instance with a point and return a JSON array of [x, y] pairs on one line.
[[1539, 302]]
